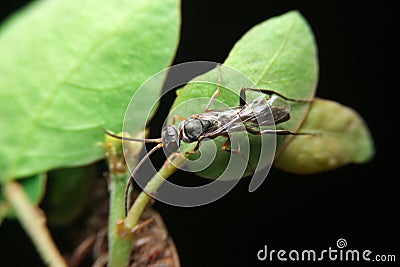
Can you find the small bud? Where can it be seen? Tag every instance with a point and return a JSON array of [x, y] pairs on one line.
[[119, 153]]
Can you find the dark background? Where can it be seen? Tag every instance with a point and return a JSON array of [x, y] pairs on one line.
[[355, 202]]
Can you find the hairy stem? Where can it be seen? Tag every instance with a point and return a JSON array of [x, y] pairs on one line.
[[118, 158], [33, 221], [119, 248]]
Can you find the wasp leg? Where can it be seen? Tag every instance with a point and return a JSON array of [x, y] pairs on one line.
[[195, 148], [225, 147], [277, 132], [177, 117], [267, 92], [217, 92]]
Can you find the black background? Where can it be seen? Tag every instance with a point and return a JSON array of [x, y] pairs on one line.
[[355, 202]]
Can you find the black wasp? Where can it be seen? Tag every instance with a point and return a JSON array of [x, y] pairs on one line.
[[213, 123]]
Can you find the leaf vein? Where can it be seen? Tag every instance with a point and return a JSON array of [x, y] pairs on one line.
[[20, 147], [276, 55]]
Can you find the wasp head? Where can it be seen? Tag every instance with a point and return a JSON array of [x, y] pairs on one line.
[[170, 138]]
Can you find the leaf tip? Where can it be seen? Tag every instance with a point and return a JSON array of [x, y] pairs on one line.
[[345, 138]]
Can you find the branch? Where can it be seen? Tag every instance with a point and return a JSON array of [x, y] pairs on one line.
[[33, 221]]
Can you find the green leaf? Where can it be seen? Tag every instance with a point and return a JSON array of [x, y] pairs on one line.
[[69, 68], [34, 187], [279, 54], [344, 138]]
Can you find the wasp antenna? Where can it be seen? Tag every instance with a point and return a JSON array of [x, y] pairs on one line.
[[156, 140], [131, 178]]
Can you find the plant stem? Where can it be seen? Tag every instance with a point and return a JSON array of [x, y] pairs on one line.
[[151, 187], [33, 221], [118, 158], [119, 248]]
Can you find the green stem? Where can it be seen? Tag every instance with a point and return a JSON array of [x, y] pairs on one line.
[[141, 201], [119, 247], [33, 221], [118, 157]]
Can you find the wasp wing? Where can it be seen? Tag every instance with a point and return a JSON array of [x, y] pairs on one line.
[[262, 112]]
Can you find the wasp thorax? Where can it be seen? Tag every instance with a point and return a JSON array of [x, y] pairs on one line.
[[170, 138], [191, 130]]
